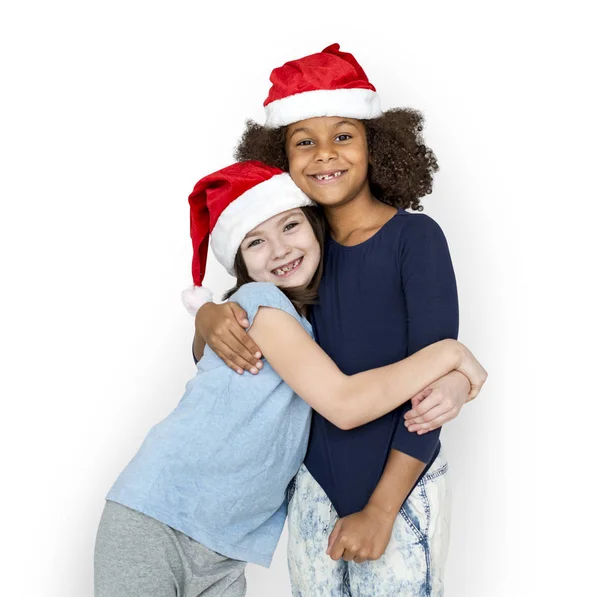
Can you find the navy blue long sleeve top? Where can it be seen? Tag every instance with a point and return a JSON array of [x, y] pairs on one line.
[[379, 302]]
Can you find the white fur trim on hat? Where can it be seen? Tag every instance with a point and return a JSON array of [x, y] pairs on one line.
[[352, 103], [263, 201], [194, 297]]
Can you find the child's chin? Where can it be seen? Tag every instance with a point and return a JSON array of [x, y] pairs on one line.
[[289, 283], [283, 283]]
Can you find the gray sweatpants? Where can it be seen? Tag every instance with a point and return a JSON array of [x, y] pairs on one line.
[[137, 556]]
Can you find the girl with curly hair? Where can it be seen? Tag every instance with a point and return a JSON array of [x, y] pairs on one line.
[[369, 513]]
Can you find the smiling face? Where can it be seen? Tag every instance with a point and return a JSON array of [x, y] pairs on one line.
[[283, 250], [328, 158]]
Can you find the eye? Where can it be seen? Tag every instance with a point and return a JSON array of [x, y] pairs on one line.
[[343, 137], [254, 243], [304, 143], [290, 225]]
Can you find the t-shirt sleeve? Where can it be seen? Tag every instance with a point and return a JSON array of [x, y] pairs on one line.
[[429, 287], [254, 295]]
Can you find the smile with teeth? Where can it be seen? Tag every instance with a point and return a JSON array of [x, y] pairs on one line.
[[328, 176], [289, 267]]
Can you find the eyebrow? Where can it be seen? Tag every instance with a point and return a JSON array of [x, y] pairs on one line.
[[343, 122], [303, 129], [299, 130], [279, 222]]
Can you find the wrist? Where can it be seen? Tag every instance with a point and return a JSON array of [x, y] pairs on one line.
[[465, 366], [454, 353], [463, 354], [384, 512], [463, 380]]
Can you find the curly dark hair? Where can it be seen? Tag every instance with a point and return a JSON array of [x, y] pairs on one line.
[[401, 166]]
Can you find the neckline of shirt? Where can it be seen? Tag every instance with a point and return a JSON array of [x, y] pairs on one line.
[[367, 240]]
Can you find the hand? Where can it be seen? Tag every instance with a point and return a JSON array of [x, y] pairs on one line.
[[223, 329], [472, 368], [438, 403], [362, 536]]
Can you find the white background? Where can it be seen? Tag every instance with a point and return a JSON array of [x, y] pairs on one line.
[[111, 111]]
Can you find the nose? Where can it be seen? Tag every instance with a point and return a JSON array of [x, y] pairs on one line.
[[326, 152], [280, 249]]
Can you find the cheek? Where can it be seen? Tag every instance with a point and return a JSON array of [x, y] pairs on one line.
[[301, 181], [296, 166], [255, 266], [360, 155], [312, 249]]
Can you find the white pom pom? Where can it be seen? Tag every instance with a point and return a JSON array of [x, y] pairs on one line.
[[194, 297]]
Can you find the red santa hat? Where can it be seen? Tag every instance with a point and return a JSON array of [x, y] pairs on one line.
[[330, 83], [226, 205]]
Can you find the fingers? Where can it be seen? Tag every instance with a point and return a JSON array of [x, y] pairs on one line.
[[237, 342], [248, 345], [362, 556], [437, 417], [334, 535], [416, 400], [435, 424], [230, 363], [476, 387], [240, 315], [230, 343], [230, 354], [473, 393], [337, 548], [241, 343], [359, 555], [340, 547], [476, 374], [419, 411], [435, 411], [348, 552]]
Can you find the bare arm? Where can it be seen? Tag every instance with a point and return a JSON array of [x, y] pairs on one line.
[[350, 401], [366, 534], [399, 477]]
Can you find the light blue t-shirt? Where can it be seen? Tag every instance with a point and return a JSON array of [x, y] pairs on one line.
[[218, 467]]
